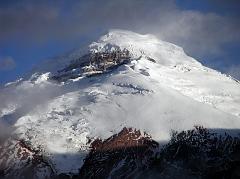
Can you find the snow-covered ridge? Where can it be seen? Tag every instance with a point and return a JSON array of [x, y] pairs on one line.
[[139, 45], [142, 45]]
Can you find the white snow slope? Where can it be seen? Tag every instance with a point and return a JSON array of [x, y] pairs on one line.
[[175, 93]]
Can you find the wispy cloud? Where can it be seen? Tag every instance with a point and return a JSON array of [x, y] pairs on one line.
[[199, 33]]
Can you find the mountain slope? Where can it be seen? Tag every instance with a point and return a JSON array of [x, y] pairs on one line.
[[122, 80]]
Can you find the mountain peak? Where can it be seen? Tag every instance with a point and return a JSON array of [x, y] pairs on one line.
[[141, 45], [138, 45], [123, 80]]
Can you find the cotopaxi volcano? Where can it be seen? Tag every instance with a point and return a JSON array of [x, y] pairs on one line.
[[122, 94]]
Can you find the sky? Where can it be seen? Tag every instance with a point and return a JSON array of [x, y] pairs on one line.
[[33, 31]]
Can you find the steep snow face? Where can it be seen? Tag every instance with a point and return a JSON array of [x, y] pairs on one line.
[[173, 93]]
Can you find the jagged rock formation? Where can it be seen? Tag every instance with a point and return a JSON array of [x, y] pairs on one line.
[[198, 153], [19, 160], [121, 156], [93, 63]]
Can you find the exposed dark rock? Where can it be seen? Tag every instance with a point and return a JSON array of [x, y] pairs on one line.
[[93, 64], [19, 160], [202, 153], [120, 156], [195, 153], [151, 59]]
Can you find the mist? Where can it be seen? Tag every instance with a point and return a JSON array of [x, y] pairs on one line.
[[17, 101]]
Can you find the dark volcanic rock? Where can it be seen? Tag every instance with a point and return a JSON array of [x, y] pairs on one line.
[[120, 156], [93, 64], [189, 154], [198, 153], [19, 160]]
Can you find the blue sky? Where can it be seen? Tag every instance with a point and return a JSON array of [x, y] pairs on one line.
[[33, 31]]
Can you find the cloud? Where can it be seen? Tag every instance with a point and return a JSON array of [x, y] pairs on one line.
[[199, 33], [7, 63], [5, 131], [31, 19]]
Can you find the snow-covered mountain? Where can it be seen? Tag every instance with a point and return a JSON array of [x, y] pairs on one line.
[[124, 79]]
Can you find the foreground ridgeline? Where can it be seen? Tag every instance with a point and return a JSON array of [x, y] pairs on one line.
[[196, 153], [122, 155]]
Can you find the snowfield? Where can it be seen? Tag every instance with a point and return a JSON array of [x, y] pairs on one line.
[[171, 92]]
